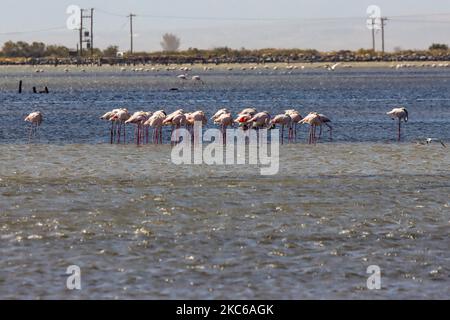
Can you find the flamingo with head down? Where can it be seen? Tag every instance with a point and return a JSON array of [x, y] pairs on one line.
[[401, 114], [35, 118], [156, 121]]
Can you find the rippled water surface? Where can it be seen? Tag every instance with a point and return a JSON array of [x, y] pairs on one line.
[[141, 227]]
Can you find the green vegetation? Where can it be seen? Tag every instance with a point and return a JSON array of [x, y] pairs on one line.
[[12, 52]]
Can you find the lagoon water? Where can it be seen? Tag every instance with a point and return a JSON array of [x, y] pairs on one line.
[[139, 226]]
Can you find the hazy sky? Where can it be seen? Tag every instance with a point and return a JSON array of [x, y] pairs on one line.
[[320, 24]]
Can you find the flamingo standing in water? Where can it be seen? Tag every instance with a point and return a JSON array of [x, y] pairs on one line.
[[219, 113], [295, 119], [197, 79], [224, 121], [244, 116], [156, 121], [35, 118], [121, 117], [139, 118], [260, 120], [107, 116], [325, 120], [313, 119], [285, 121], [191, 118], [401, 114], [176, 119]]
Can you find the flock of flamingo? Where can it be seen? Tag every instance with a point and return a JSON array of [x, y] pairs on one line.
[[247, 119]]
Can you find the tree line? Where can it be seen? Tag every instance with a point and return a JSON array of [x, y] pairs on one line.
[[171, 43]]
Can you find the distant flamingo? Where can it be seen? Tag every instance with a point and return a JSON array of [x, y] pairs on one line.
[[35, 118], [285, 121], [197, 79], [401, 114], [313, 119]]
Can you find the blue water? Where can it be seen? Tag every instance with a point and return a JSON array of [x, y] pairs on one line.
[[355, 99]]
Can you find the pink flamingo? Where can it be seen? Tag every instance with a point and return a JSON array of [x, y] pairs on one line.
[[295, 119], [107, 116], [195, 117], [313, 119], [121, 117], [156, 121], [224, 121], [285, 121], [401, 114], [35, 118], [325, 120], [175, 119], [244, 116], [139, 118], [260, 120], [219, 113]]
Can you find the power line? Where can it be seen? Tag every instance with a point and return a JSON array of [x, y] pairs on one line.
[[33, 31]]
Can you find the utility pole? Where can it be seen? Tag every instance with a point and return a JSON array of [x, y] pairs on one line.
[[81, 33], [373, 34], [383, 23], [92, 32], [131, 31]]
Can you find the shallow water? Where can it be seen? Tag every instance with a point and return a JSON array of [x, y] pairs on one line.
[[141, 227], [355, 100]]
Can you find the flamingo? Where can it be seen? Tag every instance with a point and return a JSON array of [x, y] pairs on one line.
[[224, 121], [192, 118], [295, 118], [313, 119], [156, 121], [107, 116], [260, 120], [197, 79], [249, 111], [139, 118], [219, 113], [121, 116], [244, 116], [283, 120], [325, 120], [175, 119], [182, 77], [401, 114], [35, 118]]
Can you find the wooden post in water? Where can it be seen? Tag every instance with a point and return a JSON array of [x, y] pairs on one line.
[[20, 86]]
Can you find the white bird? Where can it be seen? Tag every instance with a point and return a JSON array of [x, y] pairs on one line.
[[333, 67], [197, 79], [431, 140], [401, 114], [182, 77]]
